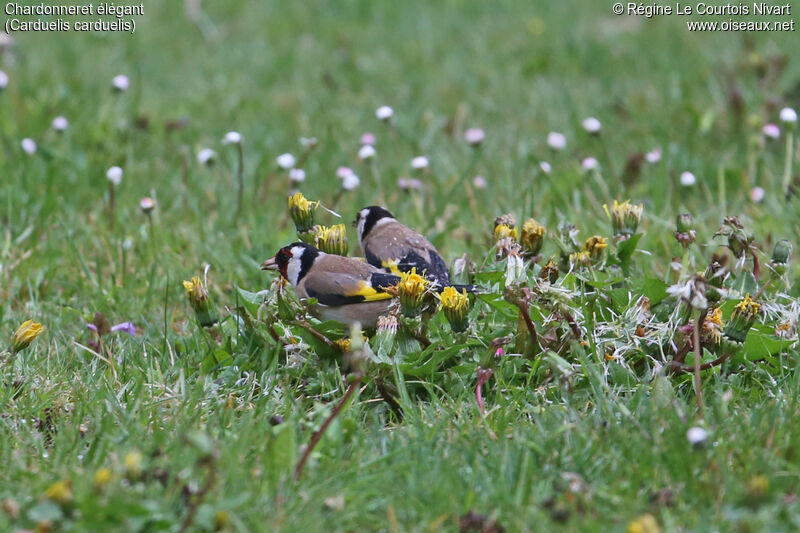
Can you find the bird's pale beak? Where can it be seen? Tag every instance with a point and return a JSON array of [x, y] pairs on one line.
[[269, 264]]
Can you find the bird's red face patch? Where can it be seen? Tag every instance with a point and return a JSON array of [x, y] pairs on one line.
[[282, 259]]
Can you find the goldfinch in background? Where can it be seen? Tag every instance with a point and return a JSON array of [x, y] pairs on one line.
[[347, 290], [397, 248]]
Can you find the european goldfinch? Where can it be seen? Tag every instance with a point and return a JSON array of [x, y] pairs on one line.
[[390, 245], [347, 290]]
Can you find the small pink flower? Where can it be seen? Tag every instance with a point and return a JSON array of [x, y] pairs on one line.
[[368, 138], [653, 156], [343, 172], [771, 131], [474, 136], [757, 194], [479, 182]]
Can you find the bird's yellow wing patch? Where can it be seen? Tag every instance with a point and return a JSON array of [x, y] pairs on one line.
[[369, 293], [391, 264]]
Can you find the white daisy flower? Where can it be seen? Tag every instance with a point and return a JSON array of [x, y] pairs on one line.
[[350, 182], [147, 205], [688, 179], [591, 125], [788, 115], [556, 141], [286, 161], [120, 83], [696, 436], [590, 163], [114, 175], [545, 167], [297, 175], [366, 152], [479, 182], [232, 137], [653, 156], [419, 163], [60, 123], [384, 113], [28, 146], [206, 156], [3, 80]]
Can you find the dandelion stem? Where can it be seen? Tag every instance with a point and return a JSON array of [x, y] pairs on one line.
[[698, 351], [787, 172], [240, 179], [317, 435]]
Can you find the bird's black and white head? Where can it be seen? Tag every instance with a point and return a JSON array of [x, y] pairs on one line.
[[293, 261], [369, 218]]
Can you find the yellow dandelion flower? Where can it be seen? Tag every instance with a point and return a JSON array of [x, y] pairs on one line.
[[26, 333]]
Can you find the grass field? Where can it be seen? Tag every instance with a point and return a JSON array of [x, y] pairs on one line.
[[185, 428]]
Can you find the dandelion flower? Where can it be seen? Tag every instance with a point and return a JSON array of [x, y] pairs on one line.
[[59, 492], [556, 141], [114, 175], [384, 113], [302, 212], [332, 240], [28, 146], [591, 125], [60, 123], [688, 179], [366, 152], [206, 156], [286, 161], [625, 217], [26, 333], [455, 306], [532, 236], [200, 302], [120, 83], [420, 163], [411, 291]]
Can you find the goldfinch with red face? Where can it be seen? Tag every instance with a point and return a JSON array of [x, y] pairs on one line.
[[347, 290]]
